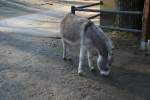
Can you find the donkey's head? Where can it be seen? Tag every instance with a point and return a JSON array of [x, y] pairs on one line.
[[104, 64], [105, 58]]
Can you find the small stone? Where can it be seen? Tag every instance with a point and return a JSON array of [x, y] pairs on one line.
[[9, 52]]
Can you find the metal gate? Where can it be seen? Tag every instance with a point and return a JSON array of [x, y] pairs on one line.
[[144, 19]]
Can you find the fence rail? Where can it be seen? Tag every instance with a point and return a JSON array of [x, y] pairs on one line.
[[90, 5], [122, 29], [110, 11]]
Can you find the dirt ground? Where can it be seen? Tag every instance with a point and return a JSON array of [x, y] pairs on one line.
[[32, 68]]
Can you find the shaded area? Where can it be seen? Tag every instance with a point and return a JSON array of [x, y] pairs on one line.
[[33, 68]]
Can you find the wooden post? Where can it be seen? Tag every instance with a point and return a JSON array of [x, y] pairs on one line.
[[146, 24], [146, 20], [73, 11]]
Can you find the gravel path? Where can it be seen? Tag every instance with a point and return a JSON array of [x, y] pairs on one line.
[[31, 65], [31, 68]]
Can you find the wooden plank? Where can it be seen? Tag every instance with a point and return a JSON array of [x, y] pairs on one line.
[[146, 20]]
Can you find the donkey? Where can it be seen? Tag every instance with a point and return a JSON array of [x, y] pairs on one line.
[[79, 31]]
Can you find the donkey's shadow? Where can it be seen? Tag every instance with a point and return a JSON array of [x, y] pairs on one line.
[[135, 83]]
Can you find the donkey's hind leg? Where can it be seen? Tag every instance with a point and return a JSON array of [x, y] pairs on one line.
[[65, 50], [90, 58]]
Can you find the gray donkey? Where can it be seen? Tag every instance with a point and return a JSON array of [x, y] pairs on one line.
[[79, 31]]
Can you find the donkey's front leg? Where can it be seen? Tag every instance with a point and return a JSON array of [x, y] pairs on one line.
[[81, 59], [90, 58]]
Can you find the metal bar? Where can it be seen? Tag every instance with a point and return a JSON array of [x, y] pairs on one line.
[[73, 9], [92, 17], [85, 6], [110, 11], [86, 10], [121, 29]]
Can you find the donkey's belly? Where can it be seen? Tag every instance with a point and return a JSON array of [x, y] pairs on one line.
[[72, 39], [71, 35]]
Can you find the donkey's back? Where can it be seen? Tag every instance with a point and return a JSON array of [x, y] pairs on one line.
[[72, 27]]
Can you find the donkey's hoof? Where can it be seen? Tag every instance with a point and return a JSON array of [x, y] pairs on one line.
[[69, 59], [105, 73], [92, 69], [64, 58], [80, 73]]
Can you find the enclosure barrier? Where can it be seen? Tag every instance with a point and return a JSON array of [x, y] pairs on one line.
[[84, 8], [145, 19]]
